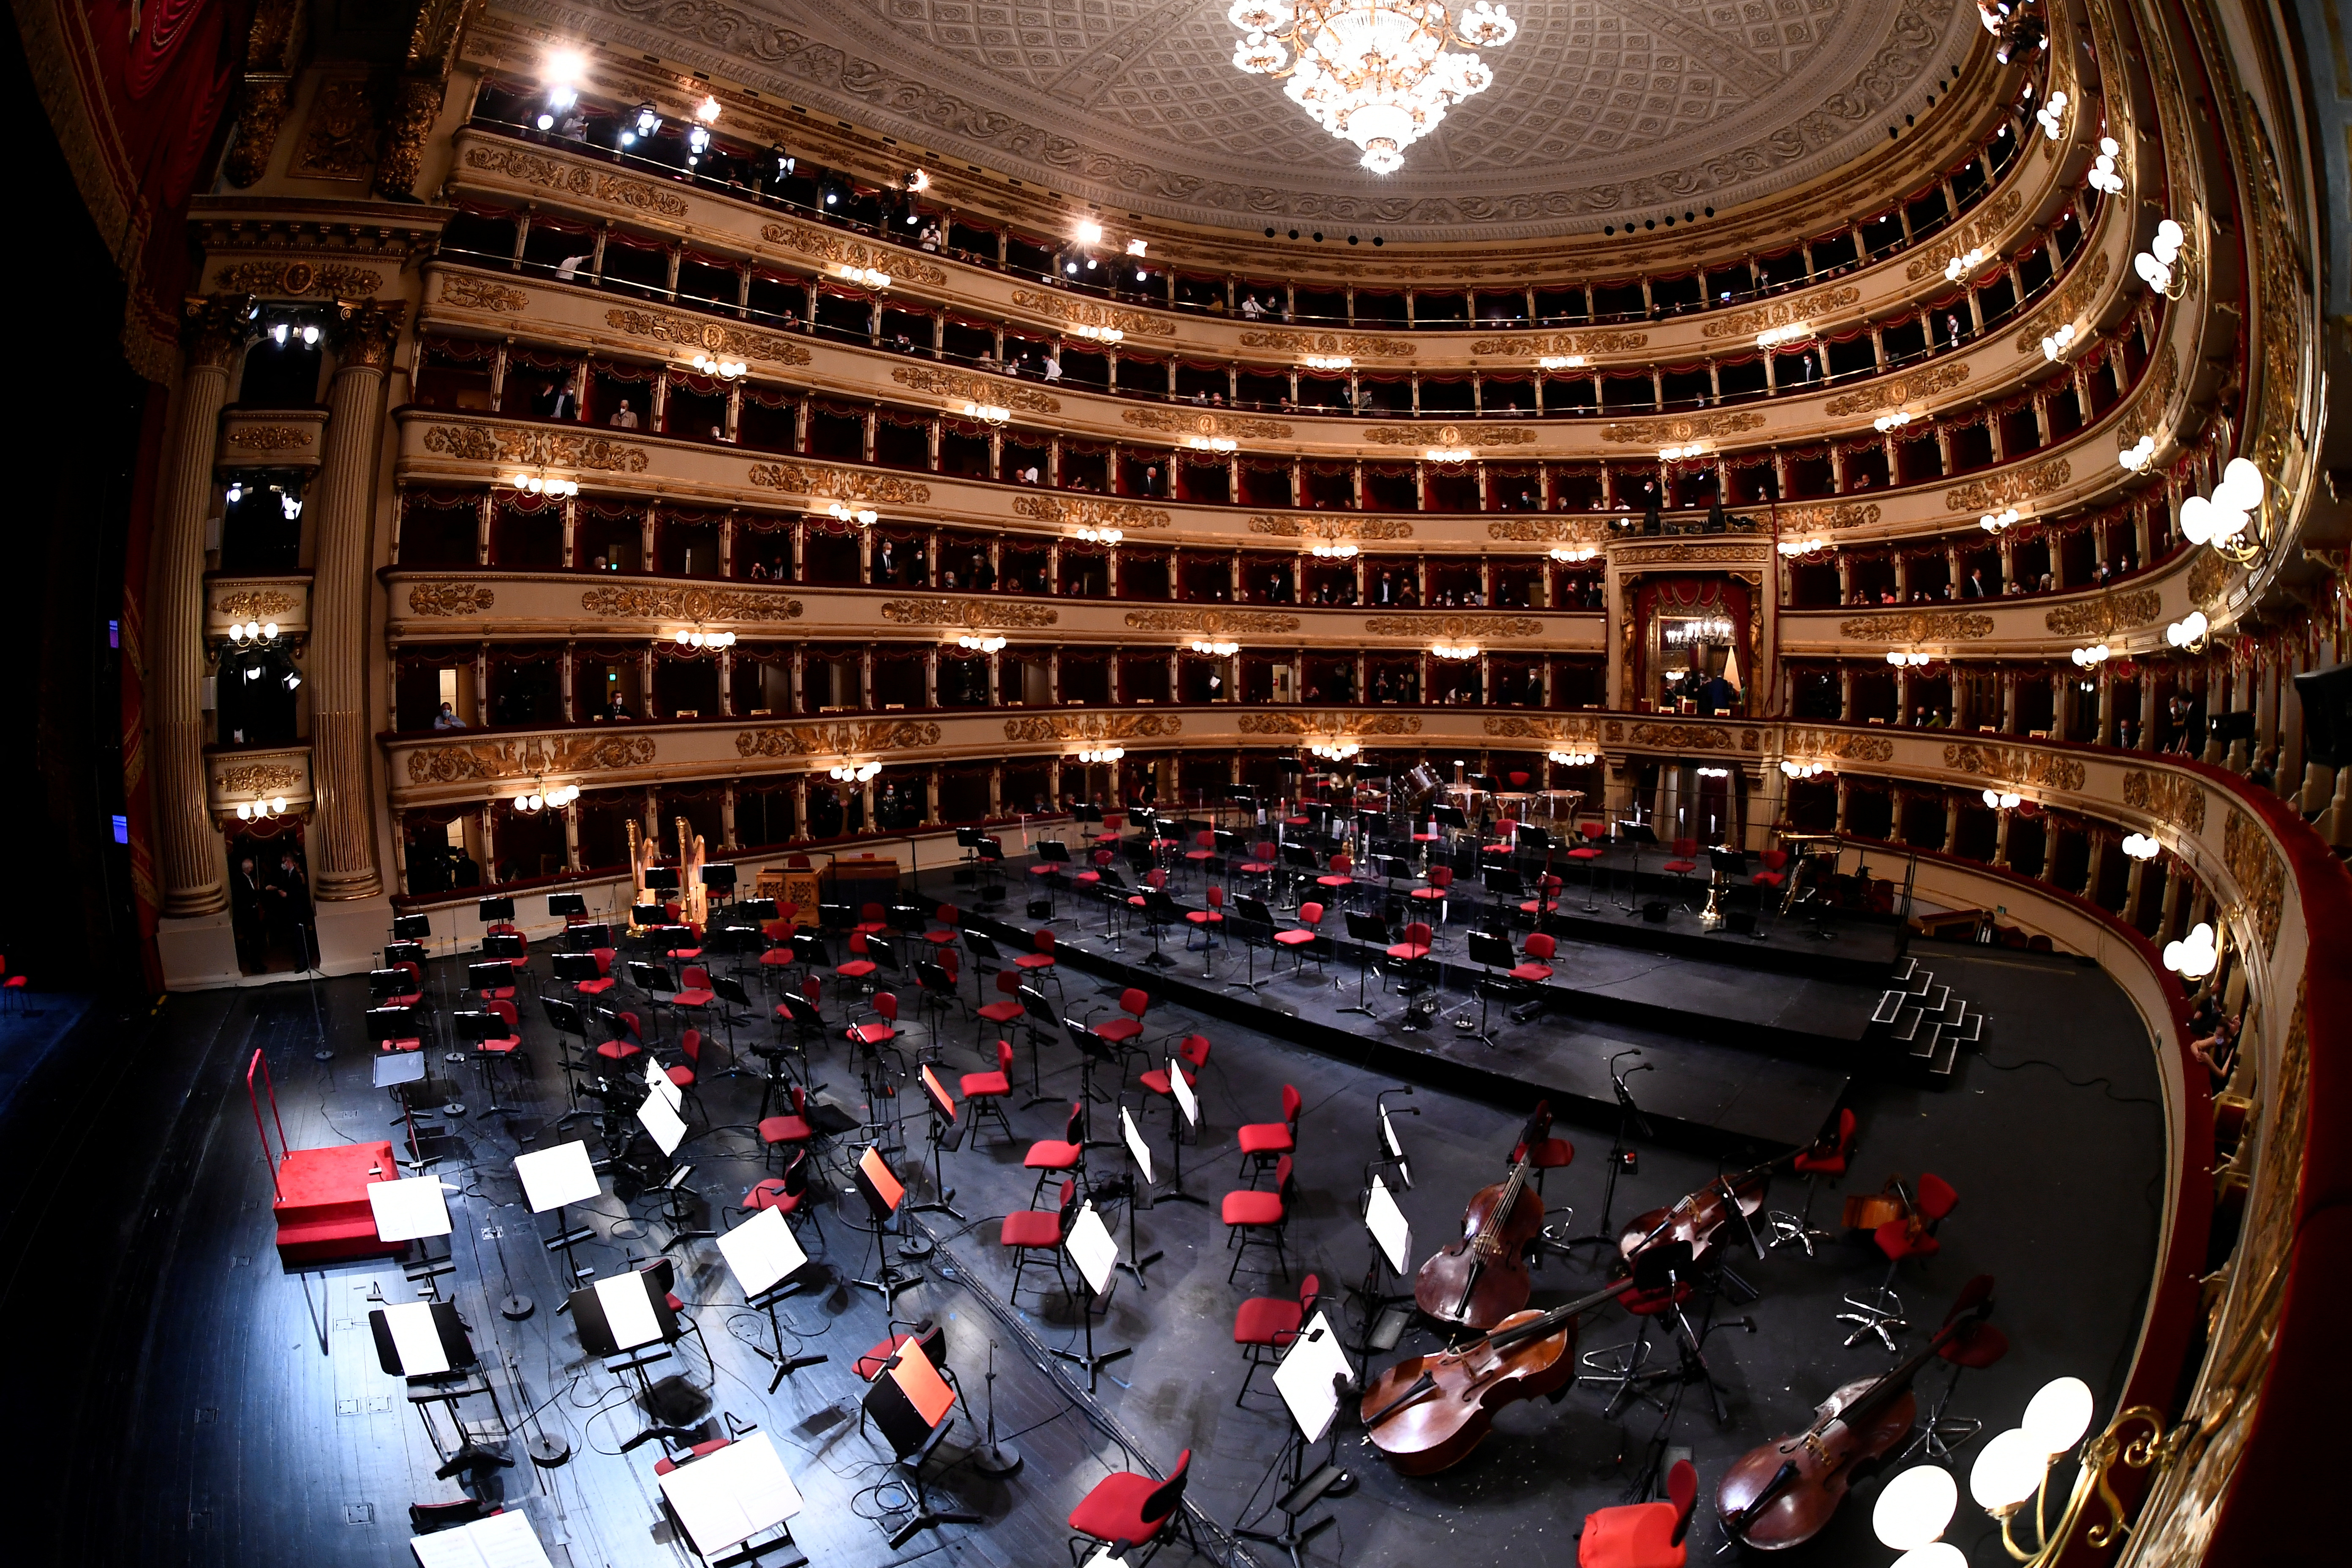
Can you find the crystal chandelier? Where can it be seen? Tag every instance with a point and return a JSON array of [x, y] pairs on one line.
[[1375, 72]]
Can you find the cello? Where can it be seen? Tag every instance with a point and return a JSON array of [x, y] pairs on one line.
[[1784, 1492], [1426, 1413], [1481, 1278], [1701, 1217]]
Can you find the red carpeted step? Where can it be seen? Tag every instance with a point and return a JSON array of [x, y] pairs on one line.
[[322, 1209], [332, 1241]]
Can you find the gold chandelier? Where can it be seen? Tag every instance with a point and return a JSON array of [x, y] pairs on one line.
[[1375, 72]]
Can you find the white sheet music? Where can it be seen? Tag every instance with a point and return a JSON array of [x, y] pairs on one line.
[[657, 1080], [762, 1252], [662, 1124], [1307, 1373], [628, 1310], [417, 1340], [1388, 1226], [1092, 1249], [1102, 1557], [502, 1541], [553, 1178], [1182, 1089], [1388, 1137], [1136, 1147], [408, 1210], [731, 1494]]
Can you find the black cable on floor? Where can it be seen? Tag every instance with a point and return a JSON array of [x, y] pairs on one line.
[[2072, 1082]]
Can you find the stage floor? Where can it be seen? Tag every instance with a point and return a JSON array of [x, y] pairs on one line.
[[203, 1409]]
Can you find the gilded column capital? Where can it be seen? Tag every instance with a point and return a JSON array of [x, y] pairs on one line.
[[213, 327], [364, 333]]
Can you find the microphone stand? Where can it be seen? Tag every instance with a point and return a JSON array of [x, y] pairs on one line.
[[1628, 1115]]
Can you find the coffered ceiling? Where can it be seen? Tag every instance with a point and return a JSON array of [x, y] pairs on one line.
[[1600, 109]]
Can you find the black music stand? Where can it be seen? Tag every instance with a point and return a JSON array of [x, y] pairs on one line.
[[1313, 1412], [565, 1018], [1300, 867], [599, 1338], [505, 945], [882, 1191], [570, 906], [766, 1260], [1092, 1248], [1041, 1016], [914, 1406], [1629, 1119], [494, 908], [1159, 912], [411, 927], [946, 1134], [1490, 953], [481, 1027], [1250, 924], [1638, 835], [661, 878], [1374, 932], [1135, 1186], [445, 1371]]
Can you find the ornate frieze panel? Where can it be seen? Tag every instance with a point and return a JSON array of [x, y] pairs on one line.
[[1552, 731], [974, 615], [1650, 552], [531, 757], [1546, 530], [1919, 626], [1679, 737], [1354, 345], [2073, 297], [468, 293], [2106, 614], [836, 739], [972, 388], [821, 246], [1683, 431], [1329, 723], [1449, 435], [2175, 799], [1840, 745], [1207, 621], [1834, 517], [2261, 876], [1783, 312], [1976, 233], [2016, 765], [711, 337], [1452, 628], [1094, 727], [1175, 422], [534, 449], [1086, 314], [233, 601], [298, 280], [451, 599], [679, 603], [2008, 487], [1540, 346], [576, 179], [280, 439], [1085, 512], [1917, 386], [839, 484], [236, 778], [1347, 528]]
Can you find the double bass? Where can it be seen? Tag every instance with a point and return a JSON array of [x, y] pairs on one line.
[[1426, 1413], [1784, 1492], [1481, 1278], [1726, 1205]]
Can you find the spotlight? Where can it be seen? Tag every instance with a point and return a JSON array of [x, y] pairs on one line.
[[707, 112]]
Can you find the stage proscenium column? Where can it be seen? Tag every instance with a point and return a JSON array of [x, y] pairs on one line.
[[195, 872], [343, 850]]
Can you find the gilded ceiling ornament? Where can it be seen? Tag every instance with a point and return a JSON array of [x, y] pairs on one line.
[[2106, 614], [1782, 312], [1341, 722], [470, 294], [1918, 626], [256, 604], [507, 444], [268, 437], [1207, 621], [1083, 511], [1902, 389], [1452, 628], [1094, 727], [415, 104], [699, 604], [2073, 297], [974, 615], [2027, 765], [451, 599], [528, 758], [1352, 344], [273, 50], [1086, 314], [827, 246], [2255, 867], [836, 739], [1833, 516], [1540, 344], [2174, 799], [576, 179], [1003, 394], [339, 136], [1226, 424], [2009, 487], [712, 337], [1842, 744], [1334, 528], [1449, 435], [1978, 234], [296, 279], [838, 484], [262, 780], [1683, 431]]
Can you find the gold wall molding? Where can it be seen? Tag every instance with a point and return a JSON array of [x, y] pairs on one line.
[[901, 266], [1355, 345], [836, 739], [451, 599], [1839, 744], [1783, 312], [1918, 626], [268, 437], [256, 604], [508, 444], [975, 615], [1086, 513], [1313, 527], [1679, 737], [1556, 731], [529, 758], [1094, 727], [1978, 233], [1547, 530], [1917, 386], [1452, 628], [2172, 798], [1226, 424], [2008, 487], [1643, 552], [1086, 314], [339, 135], [1536, 345], [2073, 297], [1332, 722], [2016, 765], [2208, 578], [1681, 432], [690, 605], [972, 388], [2106, 614], [838, 484], [1835, 516], [298, 280], [2261, 876], [273, 50], [1211, 622], [1449, 435], [575, 180], [471, 293], [712, 337], [261, 779]]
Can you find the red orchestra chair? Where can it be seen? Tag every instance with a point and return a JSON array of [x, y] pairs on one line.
[[1642, 1534], [1685, 861], [1827, 1158], [1775, 872], [1058, 1156], [872, 920], [1194, 1052], [1134, 1002], [1264, 1326], [1301, 938], [1438, 890], [793, 1131], [1540, 950], [1133, 1509], [787, 1194], [1336, 882], [1001, 1012], [1416, 943], [1547, 897], [1880, 1313], [984, 1093], [1264, 1141], [1539, 1148], [1254, 1216], [1034, 1230]]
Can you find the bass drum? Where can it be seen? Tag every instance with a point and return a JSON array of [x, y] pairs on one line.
[[1418, 786]]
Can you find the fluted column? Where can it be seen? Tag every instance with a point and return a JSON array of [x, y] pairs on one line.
[[343, 843], [195, 877]]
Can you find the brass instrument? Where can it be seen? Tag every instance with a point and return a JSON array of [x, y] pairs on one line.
[[1796, 891]]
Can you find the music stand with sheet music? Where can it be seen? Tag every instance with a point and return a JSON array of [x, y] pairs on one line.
[[724, 1497], [913, 1405], [499, 1540], [1385, 1313], [555, 1179], [880, 1187], [1090, 1246], [1138, 1194], [414, 1210], [627, 1321], [764, 1254], [1310, 1377], [1041, 1015], [425, 1343], [945, 1132], [395, 1070]]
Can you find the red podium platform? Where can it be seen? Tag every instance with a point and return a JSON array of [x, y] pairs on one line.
[[321, 1203]]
